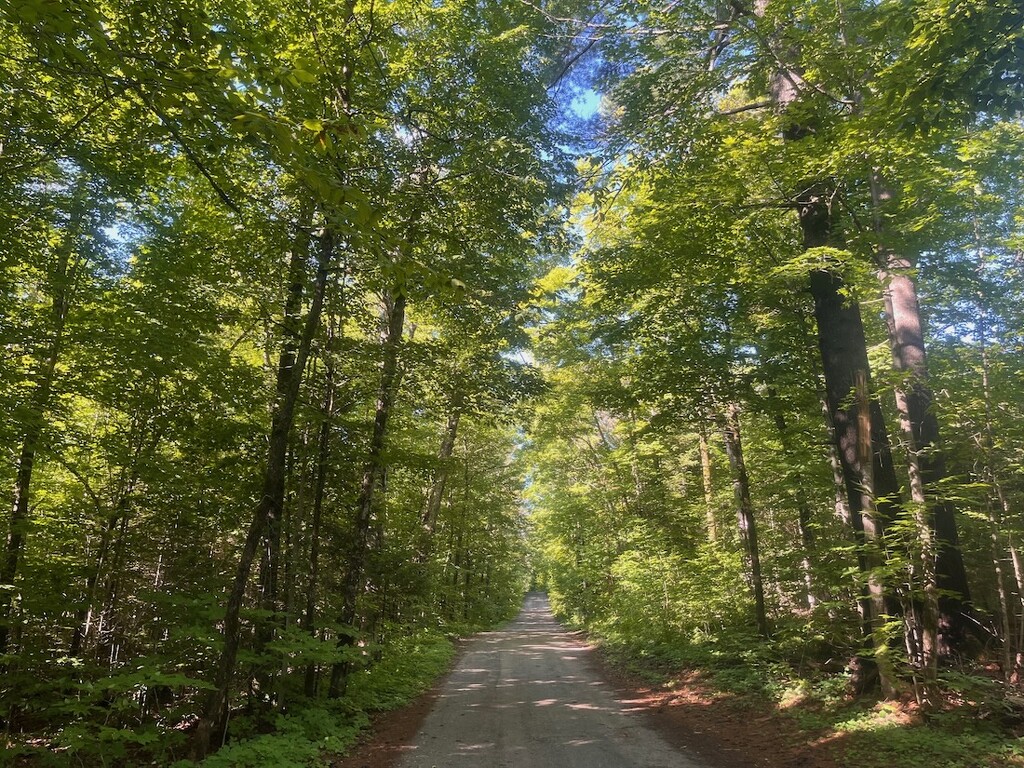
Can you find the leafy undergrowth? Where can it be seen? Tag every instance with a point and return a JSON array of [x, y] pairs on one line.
[[305, 738], [978, 723]]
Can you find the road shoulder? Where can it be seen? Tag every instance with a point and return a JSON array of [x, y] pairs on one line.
[[390, 733]]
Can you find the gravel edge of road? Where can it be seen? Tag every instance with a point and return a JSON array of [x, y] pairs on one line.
[[381, 744]]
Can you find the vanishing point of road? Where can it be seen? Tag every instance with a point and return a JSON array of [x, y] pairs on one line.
[[525, 697]]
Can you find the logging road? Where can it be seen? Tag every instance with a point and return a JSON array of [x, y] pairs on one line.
[[526, 697]]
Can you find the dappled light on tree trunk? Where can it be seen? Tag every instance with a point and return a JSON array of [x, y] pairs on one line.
[[329, 330]]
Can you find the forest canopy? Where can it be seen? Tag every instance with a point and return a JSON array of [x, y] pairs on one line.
[[329, 327]]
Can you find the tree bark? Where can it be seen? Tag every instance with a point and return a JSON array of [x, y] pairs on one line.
[[292, 364], [870, 481], [729, 423], [706, 480], [444, 454], [270, 550], [323, 457], [372, 474], [872, 490], [947, 596], [64, 277]]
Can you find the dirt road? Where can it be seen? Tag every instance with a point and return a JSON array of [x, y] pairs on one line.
[[525, 697]]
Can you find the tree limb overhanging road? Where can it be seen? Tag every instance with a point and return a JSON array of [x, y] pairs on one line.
[[526, 696]]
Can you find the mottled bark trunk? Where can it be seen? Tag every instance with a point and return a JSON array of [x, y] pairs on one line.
[[870, 483], [923, 620], [729, 423], [872, 490], [946, 594], [842, 503]]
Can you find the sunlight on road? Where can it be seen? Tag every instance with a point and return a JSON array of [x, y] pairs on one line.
[[526, 696]]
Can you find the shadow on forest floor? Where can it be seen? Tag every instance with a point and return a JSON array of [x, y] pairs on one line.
[[744, 730]]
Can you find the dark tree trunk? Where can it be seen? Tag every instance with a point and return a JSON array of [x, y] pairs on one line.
[[729, 422], [323, 457], [270, 550], [64, 278], [859, 430], [292, 363], [436, 494], [372, 475]]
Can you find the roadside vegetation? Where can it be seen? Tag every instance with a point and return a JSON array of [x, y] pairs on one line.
[[977, 723], [324, 322], [781, 439]]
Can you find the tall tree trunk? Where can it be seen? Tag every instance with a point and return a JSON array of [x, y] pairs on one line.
[[64, 276], [372, 474], [947, 596], [872, 490], [871, 485], [323, 457], [927, 605], [270, 549], [705, 476], [729, 423], [292, 364], [436, 494]]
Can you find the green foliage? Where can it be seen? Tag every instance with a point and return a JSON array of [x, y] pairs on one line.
[[409, 667], [298, 740], [171, 176], [195, 192], [305, 737]]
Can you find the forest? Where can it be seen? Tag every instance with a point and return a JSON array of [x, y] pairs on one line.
[[330, 327]]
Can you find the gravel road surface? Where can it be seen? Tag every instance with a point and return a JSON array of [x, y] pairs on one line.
[[526, 697]]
